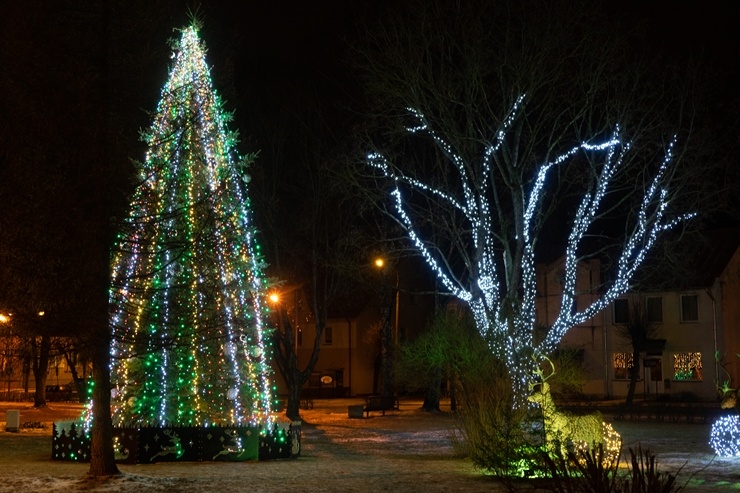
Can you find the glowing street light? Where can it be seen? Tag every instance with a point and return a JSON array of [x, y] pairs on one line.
[[4, 319], [389, 340], [380, 264], [274, 297]]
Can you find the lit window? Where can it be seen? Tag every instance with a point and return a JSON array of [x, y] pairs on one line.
[[689, 308], [327, 335], [621, 311], [623, 363], [654, 309], [687, 366]]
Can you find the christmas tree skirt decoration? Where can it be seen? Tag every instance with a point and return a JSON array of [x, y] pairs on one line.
[[149, 444]]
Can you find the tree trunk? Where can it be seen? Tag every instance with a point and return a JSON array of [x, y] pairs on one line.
[[26, 373], [386, 343], [40, 369], [432, 394], [386, 356], [293, 406], [634, 373], [102, 461], [376, 373], [287, 362], [81, 397]]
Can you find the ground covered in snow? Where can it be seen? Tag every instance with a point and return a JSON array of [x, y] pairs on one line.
[[403, 451]]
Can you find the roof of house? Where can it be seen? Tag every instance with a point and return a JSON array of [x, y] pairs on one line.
[[697, 264]]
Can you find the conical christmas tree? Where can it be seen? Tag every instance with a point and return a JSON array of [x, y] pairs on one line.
[[188, 293]]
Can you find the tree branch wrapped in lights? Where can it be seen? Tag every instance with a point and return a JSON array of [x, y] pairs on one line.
[[490, 261]]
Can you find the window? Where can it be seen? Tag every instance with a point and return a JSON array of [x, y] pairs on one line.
[[654, 309], [687, 366], [689, 308], [621, 311], [622, 365], [327, 335]]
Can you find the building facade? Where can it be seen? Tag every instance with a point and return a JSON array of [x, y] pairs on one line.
[[694, 339]]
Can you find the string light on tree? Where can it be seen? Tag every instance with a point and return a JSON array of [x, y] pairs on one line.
[[505, 315], [188, 295]]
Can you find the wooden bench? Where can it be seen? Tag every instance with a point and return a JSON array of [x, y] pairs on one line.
[[380, 403]]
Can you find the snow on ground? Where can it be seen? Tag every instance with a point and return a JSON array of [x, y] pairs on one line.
[[403, 451]]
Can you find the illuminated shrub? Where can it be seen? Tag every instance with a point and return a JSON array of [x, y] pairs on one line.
[[725, 436]]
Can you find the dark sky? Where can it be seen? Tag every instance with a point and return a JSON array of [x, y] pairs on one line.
[[263, 51], [286, 44]]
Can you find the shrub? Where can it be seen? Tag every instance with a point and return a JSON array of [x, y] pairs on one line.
[[587, 473], [497, 437]]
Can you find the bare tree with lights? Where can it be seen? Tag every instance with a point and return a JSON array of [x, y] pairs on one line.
[[528, 157], [497, 276]]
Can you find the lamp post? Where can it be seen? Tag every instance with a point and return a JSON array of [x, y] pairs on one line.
[[5, 320], [276, 300], [380, 264], [389, 332]]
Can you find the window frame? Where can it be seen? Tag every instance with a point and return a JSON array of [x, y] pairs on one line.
[[659, 299], [695, 371], [682, 297], [626, 312], [628, 357]]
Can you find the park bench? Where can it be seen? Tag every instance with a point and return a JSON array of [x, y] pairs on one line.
[[380, 403]]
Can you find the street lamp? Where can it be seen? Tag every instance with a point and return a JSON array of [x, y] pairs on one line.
[[275, 298], [380, 264], [388, 341]]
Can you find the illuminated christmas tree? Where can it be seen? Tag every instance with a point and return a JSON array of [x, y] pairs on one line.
[[188, 291]]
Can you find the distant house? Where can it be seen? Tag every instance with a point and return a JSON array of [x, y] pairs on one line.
[[696, 313], [696, 316], [348, 363]]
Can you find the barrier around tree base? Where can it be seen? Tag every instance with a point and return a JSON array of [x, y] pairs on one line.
[[149, 444]]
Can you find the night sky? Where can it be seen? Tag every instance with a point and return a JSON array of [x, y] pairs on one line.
[[259, 49], [295, 44], [265, 57]]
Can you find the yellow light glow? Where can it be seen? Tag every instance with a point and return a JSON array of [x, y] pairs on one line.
[[379, 263], [41, 313], [274, 297], [4, 318]]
